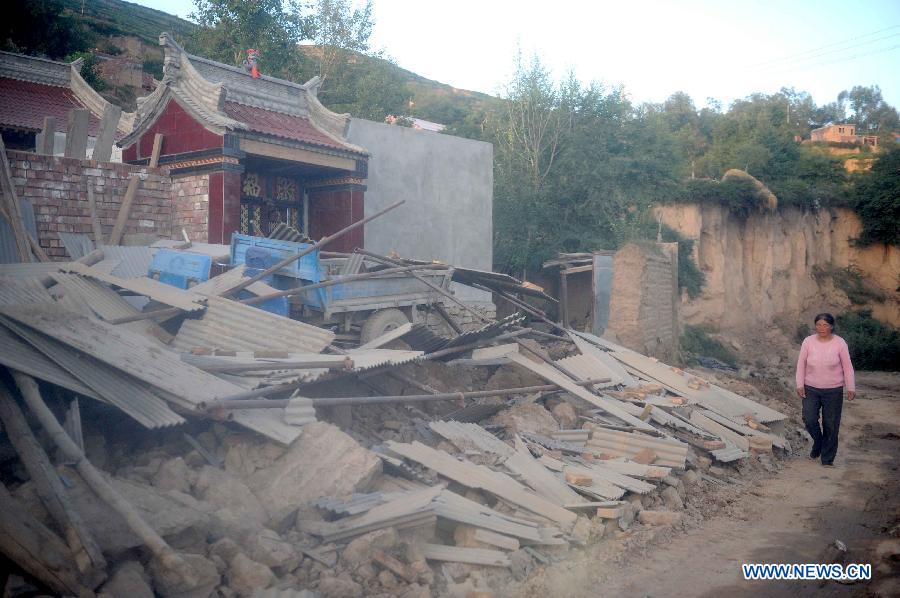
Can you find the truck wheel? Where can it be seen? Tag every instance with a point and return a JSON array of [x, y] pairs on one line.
[[380, 322]]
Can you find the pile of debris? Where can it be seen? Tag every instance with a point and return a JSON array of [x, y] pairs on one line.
[[458, 463]]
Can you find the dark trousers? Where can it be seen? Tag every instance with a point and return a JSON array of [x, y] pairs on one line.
[[830, 401]]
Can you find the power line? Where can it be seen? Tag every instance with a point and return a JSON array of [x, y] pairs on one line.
[[865, 43], [801, 55], [835, 61]]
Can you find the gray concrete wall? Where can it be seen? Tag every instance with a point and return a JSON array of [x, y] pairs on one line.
[[447, 183]]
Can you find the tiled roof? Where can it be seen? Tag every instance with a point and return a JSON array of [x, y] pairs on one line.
[[25, 104], [281, 125]]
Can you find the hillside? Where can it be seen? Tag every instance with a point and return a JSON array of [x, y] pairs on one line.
[[103, 20]]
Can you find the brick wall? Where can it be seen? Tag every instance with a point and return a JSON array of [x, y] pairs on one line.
[[190, 205], [57, 189], [643, 305]]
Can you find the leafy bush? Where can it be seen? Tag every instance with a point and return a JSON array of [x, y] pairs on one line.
[[873, 344], [740, 196], [696, 342], [878, 200], [689, 275]]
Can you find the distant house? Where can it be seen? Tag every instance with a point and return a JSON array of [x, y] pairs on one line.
[[842, 133], [32, 88]]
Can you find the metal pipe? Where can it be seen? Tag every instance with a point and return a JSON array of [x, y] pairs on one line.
[[343, 364], [292, 258], [336, 401]]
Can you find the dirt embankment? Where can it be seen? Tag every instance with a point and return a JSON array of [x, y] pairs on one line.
[[762, 268]]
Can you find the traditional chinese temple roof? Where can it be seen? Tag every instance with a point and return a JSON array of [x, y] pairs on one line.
[[32, 88], [227, 99]]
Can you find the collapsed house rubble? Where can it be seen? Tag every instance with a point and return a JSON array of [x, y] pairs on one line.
[[267, 418]]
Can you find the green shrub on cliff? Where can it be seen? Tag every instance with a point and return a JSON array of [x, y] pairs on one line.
[[878, 200], [873, 344]]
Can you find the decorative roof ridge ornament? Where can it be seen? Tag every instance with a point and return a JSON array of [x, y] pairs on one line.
[[178, 72], [333, 124]]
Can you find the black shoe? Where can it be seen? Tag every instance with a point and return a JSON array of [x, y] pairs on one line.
[[814, 454], [829, 464]]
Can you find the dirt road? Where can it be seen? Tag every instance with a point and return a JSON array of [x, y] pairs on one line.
[[789, 518]]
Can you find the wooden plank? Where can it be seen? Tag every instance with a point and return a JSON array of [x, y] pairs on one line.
[[37, 550], [108, 125], [473, 537], [772, 439], [77, 133], [608, 405], [482, 478], [11, 209], [46, 137], [719, 430], [95, 219], [472, 556], [51, 492], [157, 148], [115, 237], [158, 291]]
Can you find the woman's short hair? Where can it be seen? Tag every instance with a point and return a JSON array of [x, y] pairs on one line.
[[827, 317]]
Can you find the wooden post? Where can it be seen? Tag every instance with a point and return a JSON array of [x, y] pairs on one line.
[[168, 558], [37, 550], [77, 133], [95, 219], [50, 490], [563, 297], [107, 136], [157, 148], [115, 237], [46, 137], [11, 206]]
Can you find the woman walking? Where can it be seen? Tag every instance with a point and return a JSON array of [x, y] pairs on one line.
[[823, 371]]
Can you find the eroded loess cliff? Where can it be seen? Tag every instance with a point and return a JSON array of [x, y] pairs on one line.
[[764, 268]]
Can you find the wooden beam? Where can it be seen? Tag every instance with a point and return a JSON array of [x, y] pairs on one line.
[[96, 226], [36, 549], [168, 558], [115, 237], [49, 488], [157, 148], [11, 210], [281, 152], [108, 125], [46, 137], [77, 133]]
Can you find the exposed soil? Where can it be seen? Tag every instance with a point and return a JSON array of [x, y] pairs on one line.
[[791, 517]]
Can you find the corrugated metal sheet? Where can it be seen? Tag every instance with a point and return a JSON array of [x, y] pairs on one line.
[[357, 503], [729, 453], [475, 412], [147, 287], [30, 270], [615, 369], [14, 291], [421, 338], [233, 326], [487, 332], [9, 253], [587, 367], [133, 261], [17, 354], [468, 437], [300, 411], [550, 443], [114, 386], [78, 245], [217, 285], [670, 452], [219, 253], [366, 359]]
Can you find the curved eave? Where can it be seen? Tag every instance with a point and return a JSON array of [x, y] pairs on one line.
[[93, 101], [218, 124]]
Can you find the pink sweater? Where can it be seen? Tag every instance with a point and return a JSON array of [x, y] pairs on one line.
[[825, 365]]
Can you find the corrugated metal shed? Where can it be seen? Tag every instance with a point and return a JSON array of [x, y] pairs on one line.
[[232, 326]]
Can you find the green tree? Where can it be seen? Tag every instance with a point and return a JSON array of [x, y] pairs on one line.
[[228, 28], [339, 31], [42, 27], [878, 200]]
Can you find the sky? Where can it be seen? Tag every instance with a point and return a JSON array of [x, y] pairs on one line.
[[722, 49]]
